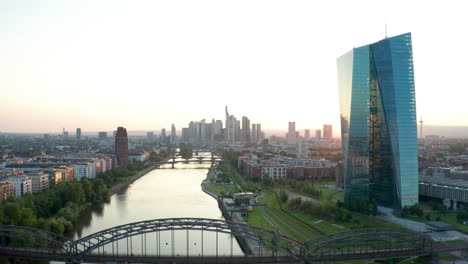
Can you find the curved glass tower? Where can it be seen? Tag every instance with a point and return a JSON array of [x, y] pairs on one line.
[[378, 122]]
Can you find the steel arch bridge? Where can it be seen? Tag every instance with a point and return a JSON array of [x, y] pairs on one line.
[[371, 242], [278, 242], [31, 243]]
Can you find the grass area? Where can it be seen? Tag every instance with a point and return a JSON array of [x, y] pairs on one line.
[[286, 228], [449, 217], [222, 190], [448, 256], [455, 242], [284, 221], [255, 218], [416, 260]]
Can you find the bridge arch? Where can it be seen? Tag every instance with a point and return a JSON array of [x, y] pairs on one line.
[[278, 242], [11, 236], [373, 240]]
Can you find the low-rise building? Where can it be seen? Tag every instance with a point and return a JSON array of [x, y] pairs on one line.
[[245, 198], [6, 190], [274, 171], [438, 226], [39, 180], [21, 184], [84, 170]]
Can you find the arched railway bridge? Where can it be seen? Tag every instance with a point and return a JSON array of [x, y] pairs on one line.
[[141, 242]]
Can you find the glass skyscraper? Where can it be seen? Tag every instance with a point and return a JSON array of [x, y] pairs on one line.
[[378, 122]]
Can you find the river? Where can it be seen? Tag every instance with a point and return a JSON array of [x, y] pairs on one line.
[[162, 193]]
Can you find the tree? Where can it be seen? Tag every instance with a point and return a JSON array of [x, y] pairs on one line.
[[186, 151], [283, 196], [374, 209]]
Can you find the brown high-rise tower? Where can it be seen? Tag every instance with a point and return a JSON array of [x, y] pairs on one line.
[[121, 147]]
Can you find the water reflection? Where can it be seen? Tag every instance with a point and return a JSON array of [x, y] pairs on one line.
[[162, 193]]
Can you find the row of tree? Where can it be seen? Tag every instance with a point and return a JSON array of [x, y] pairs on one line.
[[315, 209], [57, 208]]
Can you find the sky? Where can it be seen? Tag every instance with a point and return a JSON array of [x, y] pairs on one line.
[[147, 64]]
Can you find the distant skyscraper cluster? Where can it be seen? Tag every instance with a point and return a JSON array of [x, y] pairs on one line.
[[246, 134], [378, 122], [201, 132], [294, 136]]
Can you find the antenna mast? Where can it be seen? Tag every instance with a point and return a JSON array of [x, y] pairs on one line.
[[421, 129]]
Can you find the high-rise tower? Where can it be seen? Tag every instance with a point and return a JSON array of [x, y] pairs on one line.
[[327, 132], [121, 147], [78, 133], [291, 132], [378, 122]]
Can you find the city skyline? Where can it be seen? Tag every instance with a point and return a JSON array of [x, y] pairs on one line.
[[81, 65]]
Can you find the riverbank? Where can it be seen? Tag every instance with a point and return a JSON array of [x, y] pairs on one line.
[[247, 248], [113, 190]]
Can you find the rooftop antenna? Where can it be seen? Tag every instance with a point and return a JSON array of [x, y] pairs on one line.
[[421, 130], [385, 30]]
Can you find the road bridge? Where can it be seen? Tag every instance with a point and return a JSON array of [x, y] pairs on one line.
[[119, 244]]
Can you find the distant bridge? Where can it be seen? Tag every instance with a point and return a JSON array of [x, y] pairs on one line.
[[200, 159], [130, 243]]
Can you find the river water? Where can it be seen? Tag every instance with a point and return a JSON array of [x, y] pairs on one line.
[[161, 193]]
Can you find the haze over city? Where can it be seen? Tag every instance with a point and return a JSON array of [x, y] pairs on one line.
[[145, 65]]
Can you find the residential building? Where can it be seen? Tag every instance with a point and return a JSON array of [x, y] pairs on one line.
[[55, 177], [274, 171], [318, 135], [39, 180], [327, 132], [121, 147], [21, 184], [84, 170], [307, 134], [102, 135], [378, 122], [7, 189]]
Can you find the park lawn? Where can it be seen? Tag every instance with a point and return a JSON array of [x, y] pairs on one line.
[[256, 219], [286, 228], [365, 221], [450, 217], [219, 190], [455, 242], [416, 260], [448, 256]]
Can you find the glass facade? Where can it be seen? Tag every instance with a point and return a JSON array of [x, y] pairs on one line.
[[378, 122]]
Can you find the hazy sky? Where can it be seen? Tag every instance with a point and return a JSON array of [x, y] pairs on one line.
[[146, 64]]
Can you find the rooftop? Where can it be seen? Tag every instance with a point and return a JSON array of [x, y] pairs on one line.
[[442, 181]]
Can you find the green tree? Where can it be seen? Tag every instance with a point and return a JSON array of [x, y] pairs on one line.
[[374, 209], [283, 196], [186, 151]]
